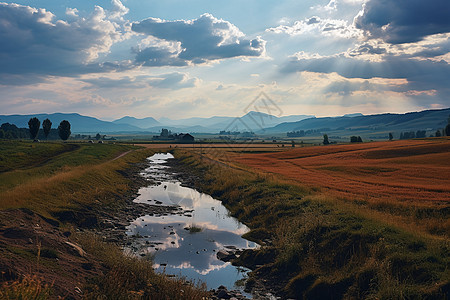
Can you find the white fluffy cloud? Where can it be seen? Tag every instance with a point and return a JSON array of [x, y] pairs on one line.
[[34, 42], [198, 41], [315, 25]]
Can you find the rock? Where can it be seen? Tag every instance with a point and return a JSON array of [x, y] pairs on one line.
[[223, 294], [225, 256], [77, 248]]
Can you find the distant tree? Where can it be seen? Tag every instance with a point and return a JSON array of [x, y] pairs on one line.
[[447, 130], [402, 136], [47, 126], [421, 134], [353, 139], [164, 132], [293, 143], [359, 139], [98, 136], [33, 125], [2, 134], [438, 133], [391, 137], [64, 130], [325, 139]]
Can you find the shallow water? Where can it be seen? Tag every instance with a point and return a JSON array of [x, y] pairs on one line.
[[174, 248]]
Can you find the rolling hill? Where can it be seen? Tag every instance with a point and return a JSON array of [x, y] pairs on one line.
[[423, 120], [79, 123]]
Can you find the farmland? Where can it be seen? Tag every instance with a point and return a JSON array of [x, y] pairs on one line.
[[341, 221], [409, 179]]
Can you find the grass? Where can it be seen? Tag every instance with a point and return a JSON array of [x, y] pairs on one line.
[[194, 229], [28, 287], [54, 179], [128, 277], [82, 175], [316, 246], [25, 162]]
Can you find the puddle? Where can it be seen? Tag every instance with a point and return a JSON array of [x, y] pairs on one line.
[[178, 250]]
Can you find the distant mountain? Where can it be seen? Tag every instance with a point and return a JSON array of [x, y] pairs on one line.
[[207, 122], [353, 115], [424, 120], [141, 123], [79, 123], [252, 121]]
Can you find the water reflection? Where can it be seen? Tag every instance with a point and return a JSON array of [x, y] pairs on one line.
[[176, 249]]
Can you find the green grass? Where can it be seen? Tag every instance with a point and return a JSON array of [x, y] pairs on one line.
[[194, 229], [26, 161], [315, 248]]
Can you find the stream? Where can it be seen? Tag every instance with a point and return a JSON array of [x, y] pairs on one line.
[[186, 242]]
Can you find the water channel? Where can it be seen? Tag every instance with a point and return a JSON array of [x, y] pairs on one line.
[[187, 241]]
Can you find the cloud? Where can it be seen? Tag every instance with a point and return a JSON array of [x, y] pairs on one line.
[[403, 21], [173, 81], [366, 48], [315, 25], [199, 41], [35, 43], [421, 74]]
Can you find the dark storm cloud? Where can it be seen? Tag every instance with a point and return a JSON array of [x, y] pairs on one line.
[[204, 39], [404, 21]]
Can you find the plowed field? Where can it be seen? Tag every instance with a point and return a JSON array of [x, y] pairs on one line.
[[402, 171]]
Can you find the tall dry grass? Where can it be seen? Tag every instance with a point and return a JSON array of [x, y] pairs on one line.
[[128, 277]]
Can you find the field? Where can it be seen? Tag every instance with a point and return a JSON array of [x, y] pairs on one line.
[[358, 221], [405, 171], [341, 221], [407, 178]]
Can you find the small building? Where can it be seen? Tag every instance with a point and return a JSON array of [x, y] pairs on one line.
[[186, 138]]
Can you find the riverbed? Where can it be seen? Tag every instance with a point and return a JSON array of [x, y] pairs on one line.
[[186, 241]]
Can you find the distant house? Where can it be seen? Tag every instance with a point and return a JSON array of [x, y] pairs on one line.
[[186, 138], [167, 135]]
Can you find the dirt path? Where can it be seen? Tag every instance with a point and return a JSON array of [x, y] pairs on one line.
[[121, 155]]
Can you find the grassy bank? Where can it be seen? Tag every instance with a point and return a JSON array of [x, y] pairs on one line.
[[56, 180], [316, 248]]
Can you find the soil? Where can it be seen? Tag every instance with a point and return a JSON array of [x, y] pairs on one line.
[[61, 265]]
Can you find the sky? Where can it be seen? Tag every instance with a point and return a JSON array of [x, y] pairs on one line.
[[203, 58]]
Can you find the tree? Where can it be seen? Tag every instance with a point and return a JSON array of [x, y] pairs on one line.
[[359, 139], [64, 130], [325, 139], [47, 126], [353, 139], [447, 130], [438, 133], [391, 137], [33, 125], [98, 136]]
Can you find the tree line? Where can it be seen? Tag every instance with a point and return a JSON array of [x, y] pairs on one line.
[[11, 131]]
